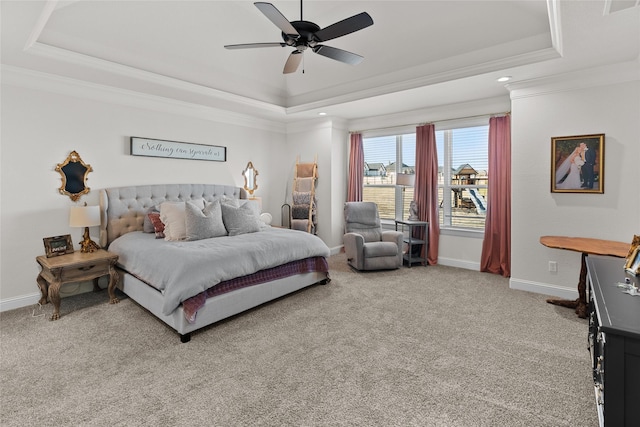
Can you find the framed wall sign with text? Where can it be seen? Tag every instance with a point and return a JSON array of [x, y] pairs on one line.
[[177, 150]]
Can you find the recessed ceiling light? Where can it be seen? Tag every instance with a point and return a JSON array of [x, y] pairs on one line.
[[322, 114], [504, 79]]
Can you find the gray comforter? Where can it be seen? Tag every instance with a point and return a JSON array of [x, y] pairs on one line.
[[183, 269]]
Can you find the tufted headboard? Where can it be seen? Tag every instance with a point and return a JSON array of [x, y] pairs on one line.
[[122, 209]]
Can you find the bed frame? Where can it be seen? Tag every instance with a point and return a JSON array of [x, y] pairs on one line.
[[123, 210]]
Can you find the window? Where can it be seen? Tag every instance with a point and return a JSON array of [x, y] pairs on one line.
[[384, 157], [463, 176]]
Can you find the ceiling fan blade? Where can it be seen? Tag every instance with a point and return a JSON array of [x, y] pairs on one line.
[[292, 62], [274, 15], [338, 54], [252, 45], [344, 27]]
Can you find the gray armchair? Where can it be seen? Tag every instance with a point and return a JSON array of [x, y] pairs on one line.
[[366, 245]]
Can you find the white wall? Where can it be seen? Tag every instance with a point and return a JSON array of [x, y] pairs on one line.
[[43, 119], [549, 109], [40, 128]]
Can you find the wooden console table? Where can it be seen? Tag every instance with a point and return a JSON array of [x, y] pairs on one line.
[[586, 246]]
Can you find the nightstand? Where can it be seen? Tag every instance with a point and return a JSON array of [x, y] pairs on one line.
[[411, 241], [75, 267]]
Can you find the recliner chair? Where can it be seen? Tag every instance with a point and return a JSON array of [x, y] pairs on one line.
[[367, 246]]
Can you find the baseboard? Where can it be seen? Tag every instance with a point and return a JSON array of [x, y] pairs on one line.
[[543, 288], [19, 302], [452, 262]]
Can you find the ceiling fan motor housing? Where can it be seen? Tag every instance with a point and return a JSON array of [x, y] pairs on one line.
[[306, 30]]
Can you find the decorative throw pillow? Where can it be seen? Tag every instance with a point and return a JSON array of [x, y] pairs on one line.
[[204, 223], [158, 226], [225, 200], [172, 215], [147, 225], [240, 220]]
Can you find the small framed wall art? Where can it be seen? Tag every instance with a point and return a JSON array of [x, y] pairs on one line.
[[577, 164], [58, 245]]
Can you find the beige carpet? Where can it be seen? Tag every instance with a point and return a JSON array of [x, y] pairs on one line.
[[435, 346]]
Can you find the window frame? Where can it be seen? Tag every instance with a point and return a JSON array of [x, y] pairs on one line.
[[445, 228], [397, 133]]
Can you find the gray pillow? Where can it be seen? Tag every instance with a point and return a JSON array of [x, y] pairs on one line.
[[204, 223], [240, 220]]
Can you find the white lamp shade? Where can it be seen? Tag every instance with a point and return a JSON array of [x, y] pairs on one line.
[[84, 216], [406, 179]]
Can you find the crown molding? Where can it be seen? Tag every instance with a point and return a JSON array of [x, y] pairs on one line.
[[593, 77], [82, 60], [428, 79], [555, 24], [410, 119], [46, 82]]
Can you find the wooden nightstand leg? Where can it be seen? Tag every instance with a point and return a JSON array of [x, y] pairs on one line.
[[96, 285], [44, 289], [54, 297], [113, 281]]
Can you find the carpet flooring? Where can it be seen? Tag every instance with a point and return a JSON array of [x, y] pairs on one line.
[[435, 346]]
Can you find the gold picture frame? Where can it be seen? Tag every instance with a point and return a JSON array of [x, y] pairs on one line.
[[632, 263], [58, 245], [577, 164]]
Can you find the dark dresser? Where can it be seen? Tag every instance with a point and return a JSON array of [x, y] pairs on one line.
[[614, 342]]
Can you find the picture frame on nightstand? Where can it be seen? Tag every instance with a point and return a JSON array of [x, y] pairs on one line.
[[632, 263], [57, 245]]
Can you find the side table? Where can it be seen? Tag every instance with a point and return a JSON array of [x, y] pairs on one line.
[[75, 267], [412, 241], [586, 246]]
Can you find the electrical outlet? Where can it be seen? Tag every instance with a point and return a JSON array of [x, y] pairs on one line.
[[553, 266]]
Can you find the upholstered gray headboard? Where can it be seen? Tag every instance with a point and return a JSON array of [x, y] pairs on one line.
[[122, 209]]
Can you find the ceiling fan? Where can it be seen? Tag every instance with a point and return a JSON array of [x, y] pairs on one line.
[[303, 35]]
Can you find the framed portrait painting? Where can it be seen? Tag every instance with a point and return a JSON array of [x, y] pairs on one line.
[[577, 164]]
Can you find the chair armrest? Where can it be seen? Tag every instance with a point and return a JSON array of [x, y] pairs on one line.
[[393, 236], [396, 237], [354, 249]]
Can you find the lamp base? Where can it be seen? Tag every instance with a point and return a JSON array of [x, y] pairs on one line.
[[88, 245]]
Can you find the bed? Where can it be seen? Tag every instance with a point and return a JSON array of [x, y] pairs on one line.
[[193, 282]]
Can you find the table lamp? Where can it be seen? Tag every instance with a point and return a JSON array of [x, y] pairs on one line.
[[408, 180], [85, 216]]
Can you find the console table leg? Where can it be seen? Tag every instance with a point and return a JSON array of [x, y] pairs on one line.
[[580, 304]]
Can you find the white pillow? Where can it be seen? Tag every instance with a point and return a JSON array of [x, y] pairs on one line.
[[204, 223], [172, 215]]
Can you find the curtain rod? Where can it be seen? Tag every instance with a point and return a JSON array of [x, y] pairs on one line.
[[437, 121]]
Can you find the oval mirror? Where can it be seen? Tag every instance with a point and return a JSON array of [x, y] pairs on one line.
[[74, 176], [250, 178]]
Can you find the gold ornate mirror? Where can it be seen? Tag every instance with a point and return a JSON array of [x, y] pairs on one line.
[[250, 178], [74, 176]]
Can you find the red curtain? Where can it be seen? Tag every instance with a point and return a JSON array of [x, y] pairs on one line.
[[356, 169], [426, 189], [496, 247]]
